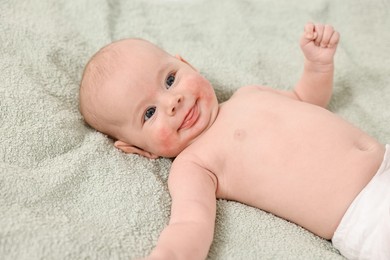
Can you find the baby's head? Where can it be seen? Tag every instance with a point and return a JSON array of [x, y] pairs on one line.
[[149, 102]]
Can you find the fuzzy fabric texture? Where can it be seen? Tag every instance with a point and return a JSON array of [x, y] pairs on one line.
[[67, 193]]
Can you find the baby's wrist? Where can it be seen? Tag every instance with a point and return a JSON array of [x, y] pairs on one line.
[[315, 66]]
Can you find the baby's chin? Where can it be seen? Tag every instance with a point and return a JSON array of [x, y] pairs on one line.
[[171, 152]]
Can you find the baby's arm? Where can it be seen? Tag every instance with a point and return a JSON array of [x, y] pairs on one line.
[[191, 227], [318, 44]]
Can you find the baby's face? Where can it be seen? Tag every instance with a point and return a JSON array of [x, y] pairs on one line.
[[161, 104]]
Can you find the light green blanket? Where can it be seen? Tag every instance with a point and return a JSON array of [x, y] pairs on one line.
[[67, 193]]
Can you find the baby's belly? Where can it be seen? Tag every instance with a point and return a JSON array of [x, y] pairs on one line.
[[310, 186], [306, 172]]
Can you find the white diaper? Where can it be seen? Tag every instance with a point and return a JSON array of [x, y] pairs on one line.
[[364, 231]]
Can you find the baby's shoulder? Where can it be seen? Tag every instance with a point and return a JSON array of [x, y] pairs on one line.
[[251, 89], [194, 155], [189, 163]]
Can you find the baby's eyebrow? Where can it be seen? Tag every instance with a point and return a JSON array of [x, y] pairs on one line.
[[160, 72], [140, 106], [138, 115], [164, 69]]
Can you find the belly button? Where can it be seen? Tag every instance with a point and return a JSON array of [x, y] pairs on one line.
[[362, 146]]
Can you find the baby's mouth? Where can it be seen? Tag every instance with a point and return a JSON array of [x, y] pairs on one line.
[[191, 117]]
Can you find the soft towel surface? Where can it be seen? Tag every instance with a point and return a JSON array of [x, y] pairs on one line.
[[67, 193]]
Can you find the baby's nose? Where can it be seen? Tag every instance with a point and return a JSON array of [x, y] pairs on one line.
[[174, 103]]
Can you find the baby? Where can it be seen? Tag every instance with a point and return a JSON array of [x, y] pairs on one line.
[[280, 151]]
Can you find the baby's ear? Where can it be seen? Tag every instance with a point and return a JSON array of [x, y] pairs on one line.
[[186, 62], [128, 148]]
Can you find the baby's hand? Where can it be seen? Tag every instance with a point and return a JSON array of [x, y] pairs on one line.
[[319, 43]]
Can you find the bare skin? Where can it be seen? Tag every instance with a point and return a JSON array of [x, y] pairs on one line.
[[280, 151]]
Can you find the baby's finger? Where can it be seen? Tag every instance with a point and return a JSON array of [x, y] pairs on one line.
[[328, 32], [309, 31], [319, 28], [334, 40]]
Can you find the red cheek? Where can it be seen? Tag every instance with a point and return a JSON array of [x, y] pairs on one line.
[[164, 140], [208, 94], [163, 136]]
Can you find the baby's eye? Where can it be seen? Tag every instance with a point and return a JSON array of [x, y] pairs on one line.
[[170, 79], [149, 113]]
